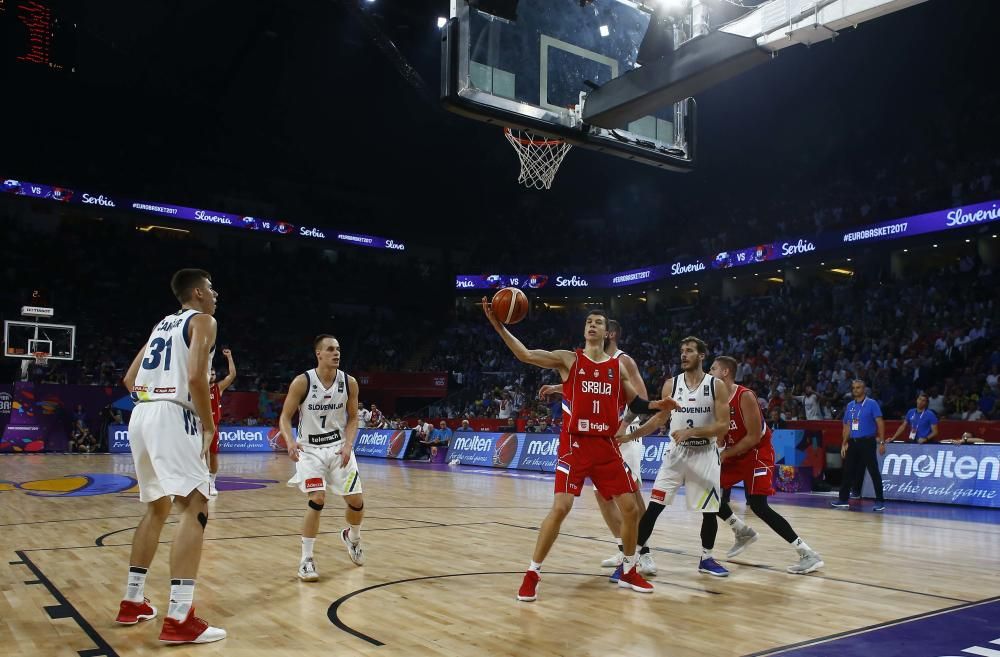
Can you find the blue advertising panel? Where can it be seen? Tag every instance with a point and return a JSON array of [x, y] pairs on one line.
[[184, 213], [947, 474], [780, 249], [384, 443], [530, 451], [231, 439]]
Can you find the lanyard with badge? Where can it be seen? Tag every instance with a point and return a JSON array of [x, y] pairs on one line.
[[915, 423], [855, 412]]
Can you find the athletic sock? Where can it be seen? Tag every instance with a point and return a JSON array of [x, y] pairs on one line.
[[307, 547], [181, 598], [354, 533], [136, 582], [211, 477], [628, 563], [737, 524], [800, 546], [535, 566], [706, 554]]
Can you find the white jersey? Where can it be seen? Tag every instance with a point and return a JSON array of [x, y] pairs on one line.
[[323, 412], [697, 404], [163, 373]]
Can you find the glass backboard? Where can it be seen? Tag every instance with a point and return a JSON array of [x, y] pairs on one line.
[[22, 339], [530, 63]]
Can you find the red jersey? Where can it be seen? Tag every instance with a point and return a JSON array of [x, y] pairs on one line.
[[592, 396], [738, 423], [215, 395]]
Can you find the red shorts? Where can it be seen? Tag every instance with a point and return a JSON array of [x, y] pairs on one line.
[[755, 469], [598, 458], [214, 447]]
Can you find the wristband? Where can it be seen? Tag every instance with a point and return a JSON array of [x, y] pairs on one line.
[[640, 406]]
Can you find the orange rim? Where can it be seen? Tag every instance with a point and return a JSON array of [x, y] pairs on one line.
[[533, 142]]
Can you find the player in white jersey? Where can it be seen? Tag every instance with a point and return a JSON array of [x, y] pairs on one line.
[[631, 450], [326, 400], [170, 432], [693, 459]]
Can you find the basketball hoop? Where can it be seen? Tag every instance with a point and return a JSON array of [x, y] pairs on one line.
[[41, 358], [540, 157]]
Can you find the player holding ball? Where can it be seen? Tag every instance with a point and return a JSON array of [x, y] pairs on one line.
[[593, 385]]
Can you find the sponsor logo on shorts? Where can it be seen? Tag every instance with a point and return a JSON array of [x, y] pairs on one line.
[[314, 483], [583, 424], [658, 495], [163, 391]]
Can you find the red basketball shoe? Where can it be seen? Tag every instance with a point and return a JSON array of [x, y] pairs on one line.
[[633, 580], [191, 630], [529, 587], [130, 613]]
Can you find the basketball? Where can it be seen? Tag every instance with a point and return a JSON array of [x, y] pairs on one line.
[[510, 305], [505, 450]]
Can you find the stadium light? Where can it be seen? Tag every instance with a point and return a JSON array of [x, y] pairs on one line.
[[604, 31], [442, 21]]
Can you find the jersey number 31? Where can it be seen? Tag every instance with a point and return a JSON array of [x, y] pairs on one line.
[[159, 349]]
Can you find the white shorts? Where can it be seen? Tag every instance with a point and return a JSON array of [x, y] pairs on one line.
[[166, 447], [698, 469], [318, 468]]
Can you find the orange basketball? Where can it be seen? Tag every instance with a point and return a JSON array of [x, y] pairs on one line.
[[510, 305]]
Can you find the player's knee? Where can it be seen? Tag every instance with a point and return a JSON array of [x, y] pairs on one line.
[[758, 504], [317, 501], [627, 505], [159, 509], [562, 507], [357, 505]]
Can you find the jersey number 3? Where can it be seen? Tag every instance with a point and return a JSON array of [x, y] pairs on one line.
[[158, 349]]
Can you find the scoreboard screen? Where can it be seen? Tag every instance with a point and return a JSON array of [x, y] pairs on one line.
[[39, 34]]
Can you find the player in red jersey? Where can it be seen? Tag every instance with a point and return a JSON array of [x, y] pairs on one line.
[[593, 384], [215, 391], [749, 457]]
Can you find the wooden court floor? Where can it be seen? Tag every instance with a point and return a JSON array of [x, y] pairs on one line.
[[446, 549]]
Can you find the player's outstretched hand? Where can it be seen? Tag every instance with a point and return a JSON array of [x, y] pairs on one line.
[[488, 311], [668, 404], [547, 390], [293, 450]]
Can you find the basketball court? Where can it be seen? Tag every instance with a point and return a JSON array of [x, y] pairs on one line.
[[446, 550]]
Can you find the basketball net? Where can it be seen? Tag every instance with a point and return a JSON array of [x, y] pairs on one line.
[[41, 358], [540, 157]]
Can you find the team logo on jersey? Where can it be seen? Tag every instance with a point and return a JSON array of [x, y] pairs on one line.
[[597, 373], [340, 387], [583, 424], [611, 373], [706, 391]]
